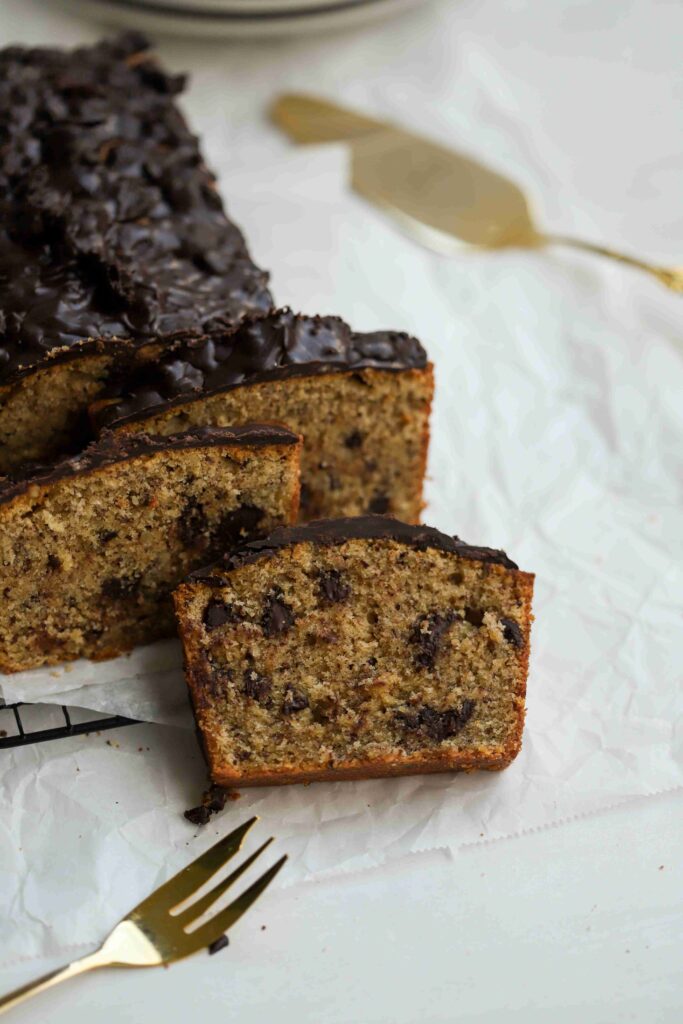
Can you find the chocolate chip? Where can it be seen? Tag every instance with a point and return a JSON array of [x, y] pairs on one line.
[[53, 563], [354, 439], [217, 613], [427, 635], [213, 801], [294, 701], [332, 586], [220, 943], [474, 616], [379, 505], [512, 632], [117, 589], [277, 616], [437, 725], [104, 536], [256, 686], [198, 815], [372, 662], [192, 523]]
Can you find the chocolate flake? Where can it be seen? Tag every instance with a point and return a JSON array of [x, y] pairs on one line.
[[213, 801], [277, 616], [379, 505], [217, 613], [437, 725], [427, 635], [218, 944], [256, 686], [332, 586], [512, 632], [354, 440]]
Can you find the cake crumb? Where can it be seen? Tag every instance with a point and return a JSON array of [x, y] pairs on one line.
[[220, 943], [213, 802]]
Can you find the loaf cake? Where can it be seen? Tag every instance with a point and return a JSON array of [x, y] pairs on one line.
[[361, 402], [91, 548], [112, 235], [352, 648]]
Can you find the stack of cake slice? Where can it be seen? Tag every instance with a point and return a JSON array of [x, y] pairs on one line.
[[138, 347]]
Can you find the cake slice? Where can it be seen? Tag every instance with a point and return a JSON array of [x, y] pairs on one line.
[[352, 648], [112, 234], [91, 548], [361, 401]]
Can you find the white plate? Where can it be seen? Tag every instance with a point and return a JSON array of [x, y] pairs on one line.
[[239, 18]]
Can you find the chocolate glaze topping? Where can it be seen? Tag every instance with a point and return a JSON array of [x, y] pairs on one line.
[[110, 224], [114, 448], [328, 532], [274, 346]]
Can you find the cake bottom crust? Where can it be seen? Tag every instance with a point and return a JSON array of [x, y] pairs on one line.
[[378, 768]]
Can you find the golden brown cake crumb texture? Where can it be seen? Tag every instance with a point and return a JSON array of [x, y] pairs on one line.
[[62, 393], [365, 435], [87, 563], [368, 658]]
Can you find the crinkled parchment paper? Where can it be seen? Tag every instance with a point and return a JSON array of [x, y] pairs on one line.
[[556, 435]]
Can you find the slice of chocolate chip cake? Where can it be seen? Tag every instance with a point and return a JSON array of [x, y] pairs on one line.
[[353, 648], [361, 401], [110, 228], [91, 548]]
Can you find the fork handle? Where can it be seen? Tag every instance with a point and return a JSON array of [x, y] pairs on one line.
[[87, 963], [672, 277]]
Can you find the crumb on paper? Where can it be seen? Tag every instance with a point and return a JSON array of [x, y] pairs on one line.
[[220, 943], [213, 802]]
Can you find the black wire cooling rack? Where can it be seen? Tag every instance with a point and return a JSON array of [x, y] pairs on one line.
[[17, 731]]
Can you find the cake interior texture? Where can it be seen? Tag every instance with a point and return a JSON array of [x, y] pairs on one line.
[[44, 414], [88, 559], [365, 433], [363, 658]]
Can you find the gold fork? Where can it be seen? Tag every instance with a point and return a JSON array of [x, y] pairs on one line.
[[156, 932]]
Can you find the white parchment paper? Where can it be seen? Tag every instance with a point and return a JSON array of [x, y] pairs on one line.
[[556, 435]]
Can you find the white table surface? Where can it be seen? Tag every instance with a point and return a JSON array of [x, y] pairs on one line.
[[580, 922]]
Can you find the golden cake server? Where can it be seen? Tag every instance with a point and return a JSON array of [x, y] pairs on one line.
[[441, 198]]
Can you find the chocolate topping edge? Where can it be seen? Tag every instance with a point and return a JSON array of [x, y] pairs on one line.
[[114, 448], [329, 532]]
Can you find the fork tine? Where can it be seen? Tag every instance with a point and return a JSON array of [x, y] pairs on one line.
[[195, 910], [186, 882], [224, 920]]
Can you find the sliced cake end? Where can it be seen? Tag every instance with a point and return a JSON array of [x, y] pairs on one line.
[[353, 648], [361, 402], [91, 548]]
